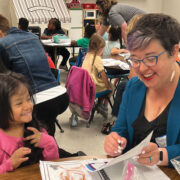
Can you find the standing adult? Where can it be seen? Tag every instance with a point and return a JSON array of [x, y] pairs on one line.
[[22, 52], [116, 14]]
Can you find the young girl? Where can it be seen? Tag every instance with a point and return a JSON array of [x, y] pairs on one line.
[[54, 28], [93, 64], [114, 43], [22, 141]]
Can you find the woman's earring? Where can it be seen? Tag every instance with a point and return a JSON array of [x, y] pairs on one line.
[[172, 76]]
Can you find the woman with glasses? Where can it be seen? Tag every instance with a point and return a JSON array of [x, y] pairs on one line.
[[151, 101]]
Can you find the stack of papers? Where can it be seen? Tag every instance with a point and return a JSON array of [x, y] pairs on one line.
[[100, 169], [113, 62]]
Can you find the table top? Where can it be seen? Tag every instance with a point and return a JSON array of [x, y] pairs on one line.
[[49, 42], [32, 172]]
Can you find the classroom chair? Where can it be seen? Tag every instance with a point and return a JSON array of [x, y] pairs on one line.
[[83, 99], [36, 30], [56, 73], [81, 55]]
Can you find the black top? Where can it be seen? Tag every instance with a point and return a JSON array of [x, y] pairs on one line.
[[48, 32], [142, 127]]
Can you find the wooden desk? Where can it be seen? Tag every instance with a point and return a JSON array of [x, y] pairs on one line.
[[32, 172]]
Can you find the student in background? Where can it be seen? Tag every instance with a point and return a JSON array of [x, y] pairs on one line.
[[98, 25], [54, 28], [83, 42], [114, 43], [22, 140], [93, 64], [121, 86], [23, 24]]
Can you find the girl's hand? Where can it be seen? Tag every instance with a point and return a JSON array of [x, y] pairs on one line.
[[35, 138], [114, 144], [18, 156], [149, 155]]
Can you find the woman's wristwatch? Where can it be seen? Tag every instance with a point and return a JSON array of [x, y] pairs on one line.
[[160, 156]]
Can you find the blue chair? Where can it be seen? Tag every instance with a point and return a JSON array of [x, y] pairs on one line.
[[78, 62], [81, 55]]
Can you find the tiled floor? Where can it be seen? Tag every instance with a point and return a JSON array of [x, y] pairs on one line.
[[90, 140]]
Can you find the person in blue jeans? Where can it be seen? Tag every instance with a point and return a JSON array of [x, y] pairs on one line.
[[54, 28], [22, 52]]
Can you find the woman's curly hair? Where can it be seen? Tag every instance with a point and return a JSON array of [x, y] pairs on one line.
[[105, 5]]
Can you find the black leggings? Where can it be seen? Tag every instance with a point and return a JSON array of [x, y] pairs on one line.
[[46, 112], [60, 51]]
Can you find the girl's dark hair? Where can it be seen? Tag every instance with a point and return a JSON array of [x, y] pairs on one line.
[[105, 6], [56, 22], [115, 32], [95, 44], [10, 83], [90, 29]]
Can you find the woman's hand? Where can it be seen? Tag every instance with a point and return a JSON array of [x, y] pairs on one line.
[[149, 155], [18, 158], [114, 144], [35, 138]]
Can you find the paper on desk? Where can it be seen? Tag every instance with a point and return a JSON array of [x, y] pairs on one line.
[[114, 62], [131, 153], [74, 170]]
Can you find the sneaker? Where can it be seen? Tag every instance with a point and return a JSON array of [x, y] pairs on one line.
[[73, 121], [63, 67]]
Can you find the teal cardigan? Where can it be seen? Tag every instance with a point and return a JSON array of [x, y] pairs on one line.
[[129, 109]]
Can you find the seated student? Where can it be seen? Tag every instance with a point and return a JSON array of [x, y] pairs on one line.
[[150, 100], [23, 24], [84, 42], [114, 43], [22, 140], [23, 53], [98, 26], [121, 86], [54, 28], [93, 64]]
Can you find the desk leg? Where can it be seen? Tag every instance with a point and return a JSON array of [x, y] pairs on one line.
[[55, 56], [73, 51]]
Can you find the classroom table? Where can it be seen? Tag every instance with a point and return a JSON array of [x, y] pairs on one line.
[[32, 172], [50, 43]]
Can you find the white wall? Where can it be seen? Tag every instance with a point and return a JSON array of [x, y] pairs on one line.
[[171, 7]]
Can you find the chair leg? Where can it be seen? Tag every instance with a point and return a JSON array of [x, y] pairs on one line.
[[59, 126], [92, 115]]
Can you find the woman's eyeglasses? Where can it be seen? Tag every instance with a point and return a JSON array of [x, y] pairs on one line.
[[148, 61]]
